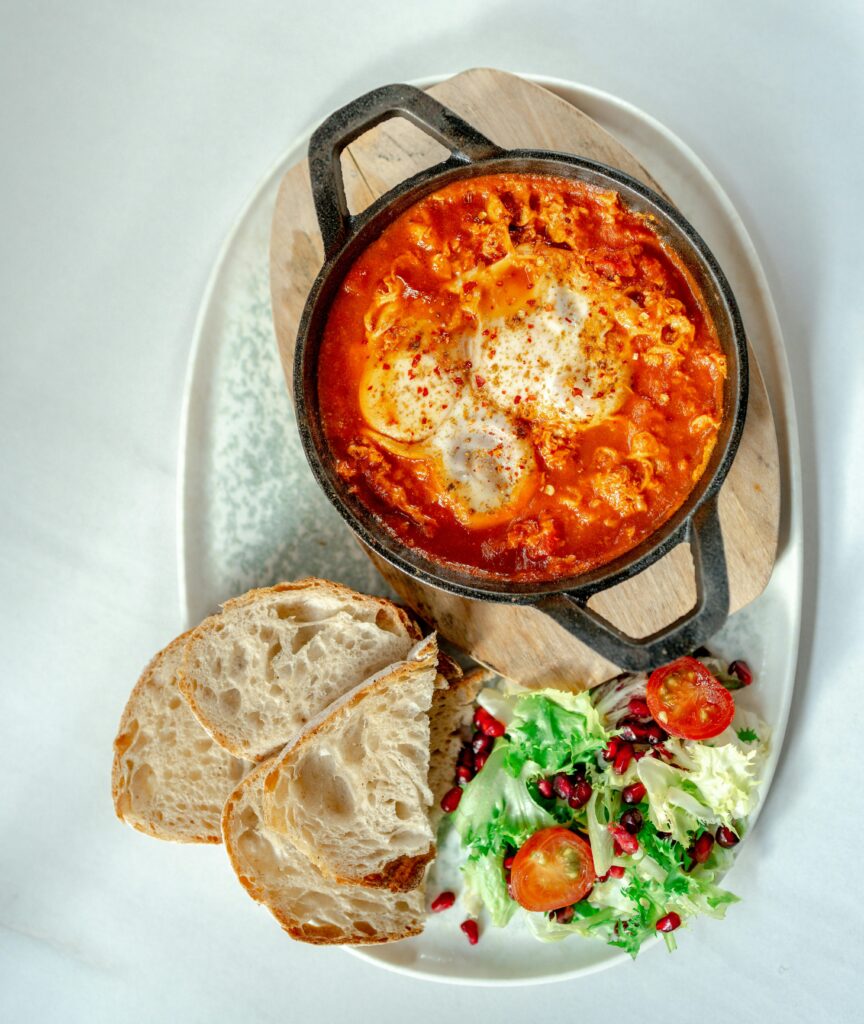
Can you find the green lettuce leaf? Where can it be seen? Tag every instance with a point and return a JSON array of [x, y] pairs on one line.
[[497, 809], [485, 886], [554, 730]]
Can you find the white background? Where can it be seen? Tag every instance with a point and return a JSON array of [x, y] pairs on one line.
[[130, 136]]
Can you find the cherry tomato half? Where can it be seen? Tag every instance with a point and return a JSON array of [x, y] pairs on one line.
[[688, 701], [553, 869]]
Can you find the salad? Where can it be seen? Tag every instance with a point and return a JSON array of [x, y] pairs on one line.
[[611, 814]]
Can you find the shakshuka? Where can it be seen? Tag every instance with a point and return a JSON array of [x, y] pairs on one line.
[[519, 379]]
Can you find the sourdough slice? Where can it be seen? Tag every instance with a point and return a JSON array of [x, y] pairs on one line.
[[170, 779], [449, 726], [309, 906], [351, 791], [256, 674]]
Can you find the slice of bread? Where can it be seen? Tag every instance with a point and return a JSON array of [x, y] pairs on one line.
[[309, 906], [257, 673], [449, 726], [170, 779], [351, 791]]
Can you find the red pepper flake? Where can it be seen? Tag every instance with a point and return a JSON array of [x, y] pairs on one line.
[[577, 392], [458, 381], [530, 327], [486, 333], [425, 392], [386, 366], [468, 364], [567, 320], [517, 399], [416, 359], [481, 381], [437, 372]]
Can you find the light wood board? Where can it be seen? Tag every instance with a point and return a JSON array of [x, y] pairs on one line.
[[518, 641]]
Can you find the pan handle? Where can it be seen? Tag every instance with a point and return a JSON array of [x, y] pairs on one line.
[[348, 123], [681, 636]]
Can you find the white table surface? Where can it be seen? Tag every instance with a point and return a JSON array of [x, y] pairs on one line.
[[131, 134]]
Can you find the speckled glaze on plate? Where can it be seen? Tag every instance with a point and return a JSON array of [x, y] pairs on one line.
[[250, 512]]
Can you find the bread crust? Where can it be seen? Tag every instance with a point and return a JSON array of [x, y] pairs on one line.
[[337, 590]]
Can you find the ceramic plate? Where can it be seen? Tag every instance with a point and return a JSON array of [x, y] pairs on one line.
[[250, 512]]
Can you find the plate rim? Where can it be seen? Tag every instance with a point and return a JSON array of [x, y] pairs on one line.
[[781, 398]]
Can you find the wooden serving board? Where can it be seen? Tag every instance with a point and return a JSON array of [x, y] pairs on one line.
[[521, 642]]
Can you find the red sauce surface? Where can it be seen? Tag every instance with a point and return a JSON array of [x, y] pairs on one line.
[[457, 265]]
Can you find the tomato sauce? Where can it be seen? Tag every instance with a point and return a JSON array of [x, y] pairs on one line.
[[518, 378]]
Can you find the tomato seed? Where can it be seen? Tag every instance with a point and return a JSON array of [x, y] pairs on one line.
[[444, 901]]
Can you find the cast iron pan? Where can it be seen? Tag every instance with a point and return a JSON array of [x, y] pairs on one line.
[[345, 236]]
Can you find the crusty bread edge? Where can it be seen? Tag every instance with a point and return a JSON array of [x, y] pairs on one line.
[[147, 828], [336, 589], [291, 925], [403, 873]]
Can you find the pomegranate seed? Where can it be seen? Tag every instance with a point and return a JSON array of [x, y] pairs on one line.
[[508, 861], [563, 915], [444, 901], [480, 760], [610, 752], [616, 871], [481, 743], [471, 930], [742, 670], [661, 751], [450, 800], [639, 754], [654, 734], [603, 878], [544, 786], [634, 793], [616, 848], [635, 732], [464, 773], [669, 923], [632, 821], [466, 756], [578, 773], [480, 716], [563, 787], [701, 850], [623, 758], [492, 727], [628, 843], [726, 837], [638, 707], [581, 794]]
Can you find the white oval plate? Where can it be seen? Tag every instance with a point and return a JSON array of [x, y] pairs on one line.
[[250, 512]]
